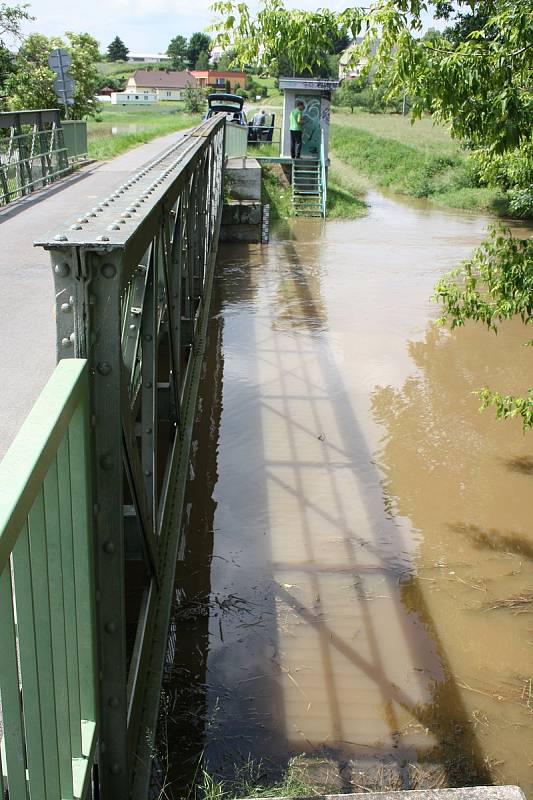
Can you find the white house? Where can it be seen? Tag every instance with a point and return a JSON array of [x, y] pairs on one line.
[[148, 58], [351, 66], [132, 98], [166, 84]]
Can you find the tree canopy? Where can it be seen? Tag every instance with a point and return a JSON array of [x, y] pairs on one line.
[[476, 78], [177, 50], [11, 19], [198, 43], [117, 50], [32, 83], [202, 62]]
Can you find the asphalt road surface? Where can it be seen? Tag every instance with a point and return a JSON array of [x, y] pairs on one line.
[[27, 325]]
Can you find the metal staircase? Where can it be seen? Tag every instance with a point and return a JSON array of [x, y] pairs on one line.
[[309, 185]]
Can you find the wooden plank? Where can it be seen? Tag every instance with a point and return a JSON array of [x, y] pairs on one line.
[[43, 643], [82, 531], [9, 687], [28, 664], [57, 628], [69, 596]]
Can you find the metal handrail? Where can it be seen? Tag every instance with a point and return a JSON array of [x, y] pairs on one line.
[[133, 281], [48, 676], [323, 175], [31, 159], [236, 139]]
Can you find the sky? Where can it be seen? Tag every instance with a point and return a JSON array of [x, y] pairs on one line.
[[143, 25]]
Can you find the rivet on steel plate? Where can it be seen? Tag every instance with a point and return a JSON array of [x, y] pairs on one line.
[[106, 461], [109, 270]]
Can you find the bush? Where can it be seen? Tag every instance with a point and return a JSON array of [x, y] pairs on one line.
[[194, 99], [512, 171]]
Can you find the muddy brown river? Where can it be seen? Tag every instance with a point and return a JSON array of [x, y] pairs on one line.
[[356, 579]]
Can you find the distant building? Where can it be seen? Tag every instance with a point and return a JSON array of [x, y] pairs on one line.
[[166, 84], [105, 91], [148, 58], [217, 52], [213, 79], [133, 98], [352, 68]]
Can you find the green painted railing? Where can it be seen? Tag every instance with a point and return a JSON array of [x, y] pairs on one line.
[[323, 176], [236, 142], [47, 650], [32, 152]]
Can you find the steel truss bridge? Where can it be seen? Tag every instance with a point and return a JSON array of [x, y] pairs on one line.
[[92, 488]]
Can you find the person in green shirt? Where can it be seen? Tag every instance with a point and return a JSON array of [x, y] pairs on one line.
[[296, 128]]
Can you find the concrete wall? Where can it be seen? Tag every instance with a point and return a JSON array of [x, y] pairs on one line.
[[243, 216], [243, 177], [242, 221]]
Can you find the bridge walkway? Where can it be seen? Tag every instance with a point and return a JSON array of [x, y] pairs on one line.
[[91, 488], [27, 325]]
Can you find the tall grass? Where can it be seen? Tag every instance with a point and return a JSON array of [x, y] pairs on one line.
[[437, 172], [103, 144], [313, 777]]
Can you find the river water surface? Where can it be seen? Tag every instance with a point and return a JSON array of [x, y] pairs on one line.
[[354, 521]]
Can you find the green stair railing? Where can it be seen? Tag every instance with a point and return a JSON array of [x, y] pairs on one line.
[[323, 176], [309, 185], [48, 649]]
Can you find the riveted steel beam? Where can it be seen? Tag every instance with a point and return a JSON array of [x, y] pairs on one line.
[[133, 279]]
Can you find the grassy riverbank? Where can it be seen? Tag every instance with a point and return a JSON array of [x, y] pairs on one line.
[[134, 126], [419, 160], [345, 195], [314, 776]]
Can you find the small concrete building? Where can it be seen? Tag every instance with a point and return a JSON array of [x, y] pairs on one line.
[[316, 96], [166, 84], [148, 58], [132, 98]]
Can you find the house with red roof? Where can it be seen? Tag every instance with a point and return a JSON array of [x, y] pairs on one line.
[[214, 79]]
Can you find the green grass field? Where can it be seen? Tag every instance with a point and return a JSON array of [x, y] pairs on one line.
[[275, 97], [125, 68], [134, 125], [419, 160]]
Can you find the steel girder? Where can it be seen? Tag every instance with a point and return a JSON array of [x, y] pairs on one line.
[[133, 281]]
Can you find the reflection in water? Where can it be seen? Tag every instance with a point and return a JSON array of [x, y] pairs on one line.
[[317, 589], [463, 479]]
